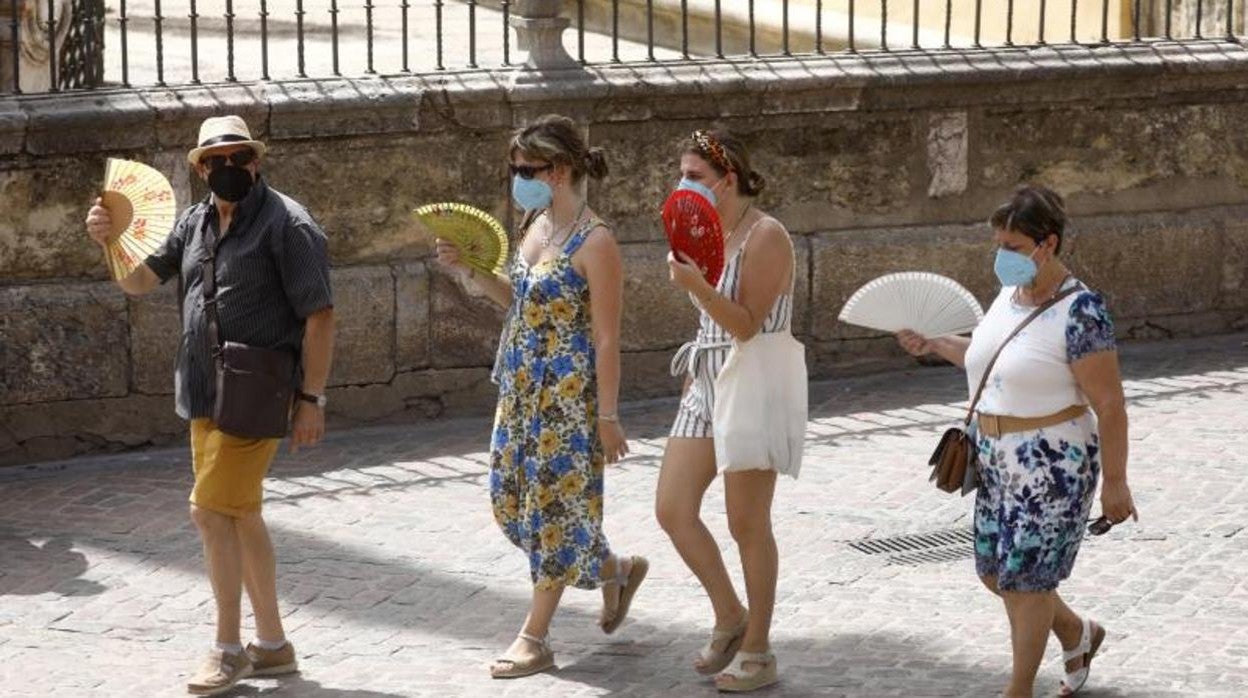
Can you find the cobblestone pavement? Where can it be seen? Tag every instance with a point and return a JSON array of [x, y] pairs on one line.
[[395, 581]]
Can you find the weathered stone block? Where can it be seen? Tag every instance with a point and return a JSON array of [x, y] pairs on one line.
[[54, 430], [411, 316], [627, 200], [155, 335], [71, 124], [333, 107], [1117, 159], [62, 342], [364, 326], [1150, 265], [464, 329], [802, 308], [823, 171], [12, 127], [1172, 326], [470, 104], [369, 220], [414, 395], [830, 171], [656, 314], [854, 357], [646, 374], [42, 210], [1235, 264], [843, 262], [180, 112]]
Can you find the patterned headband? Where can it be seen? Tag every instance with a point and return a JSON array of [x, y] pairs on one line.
[[713, 149]]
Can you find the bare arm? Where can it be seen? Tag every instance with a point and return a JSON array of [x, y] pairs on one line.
[[1099, 378], [951, 349], [766, 272], [318, 350], [602, 267], [496, 288]]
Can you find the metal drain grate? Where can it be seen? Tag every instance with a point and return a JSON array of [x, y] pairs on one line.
[[920, 548]]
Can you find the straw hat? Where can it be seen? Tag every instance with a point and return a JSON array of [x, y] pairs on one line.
[[219, 131]]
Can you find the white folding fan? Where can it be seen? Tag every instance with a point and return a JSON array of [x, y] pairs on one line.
[[930, 304]]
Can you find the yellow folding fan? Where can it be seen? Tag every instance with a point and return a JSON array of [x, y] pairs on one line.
[[481, 239]]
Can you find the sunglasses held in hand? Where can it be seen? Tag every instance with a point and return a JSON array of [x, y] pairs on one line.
[[1100, 526]]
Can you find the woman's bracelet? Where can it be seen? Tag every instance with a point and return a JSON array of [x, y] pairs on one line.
[[613, 417]]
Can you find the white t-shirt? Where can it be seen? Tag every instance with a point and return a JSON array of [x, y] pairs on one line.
[[1032, 378]]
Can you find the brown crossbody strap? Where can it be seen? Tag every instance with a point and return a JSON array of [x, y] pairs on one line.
[[979, 392]]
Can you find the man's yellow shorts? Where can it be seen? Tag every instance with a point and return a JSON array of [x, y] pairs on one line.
[[229, 471]]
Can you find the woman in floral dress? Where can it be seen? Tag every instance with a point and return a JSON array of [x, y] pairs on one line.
[[1041, 451], [558, 374]]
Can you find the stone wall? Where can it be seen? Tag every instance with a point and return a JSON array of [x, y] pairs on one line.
[[876, 163]]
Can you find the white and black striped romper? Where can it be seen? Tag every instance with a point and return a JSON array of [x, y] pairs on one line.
[[704, 357]]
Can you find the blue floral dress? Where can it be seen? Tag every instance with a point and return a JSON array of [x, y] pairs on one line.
[[546, 460], [1037, 487]]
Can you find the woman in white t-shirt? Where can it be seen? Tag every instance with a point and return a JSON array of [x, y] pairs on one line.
[[1040, 449]]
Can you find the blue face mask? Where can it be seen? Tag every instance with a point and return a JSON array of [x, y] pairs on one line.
[[1015, 268], [700, 188], [531, 194]]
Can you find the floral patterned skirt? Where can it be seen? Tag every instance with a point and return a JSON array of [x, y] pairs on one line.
[[546, 482], [1034, 499]]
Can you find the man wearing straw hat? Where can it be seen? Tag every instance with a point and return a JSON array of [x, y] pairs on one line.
[[270, 291]]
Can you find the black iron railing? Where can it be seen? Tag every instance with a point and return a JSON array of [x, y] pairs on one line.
[[175, 42]]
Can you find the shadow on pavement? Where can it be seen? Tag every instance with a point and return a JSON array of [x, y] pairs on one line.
[[30, 569], [299, 686]]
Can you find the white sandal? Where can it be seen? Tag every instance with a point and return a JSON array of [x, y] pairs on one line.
[[713, 661], [737, 679], [508, 668], [1089, 642]]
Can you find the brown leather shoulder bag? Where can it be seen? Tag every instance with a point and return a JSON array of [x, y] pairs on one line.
[[953, 461]]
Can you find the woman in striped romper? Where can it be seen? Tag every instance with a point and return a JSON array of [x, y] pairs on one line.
[[754, 295]]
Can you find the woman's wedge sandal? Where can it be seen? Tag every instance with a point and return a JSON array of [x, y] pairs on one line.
[[628, 582], [712, 661], [737, 679], [1089, 642], [508, 668]]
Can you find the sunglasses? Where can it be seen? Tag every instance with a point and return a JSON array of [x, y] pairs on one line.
[[241, 158], [529, 171]]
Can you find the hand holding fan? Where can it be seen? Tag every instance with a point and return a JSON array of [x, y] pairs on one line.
[[141, 204], [693, 228], [481, 239], [929, 304]]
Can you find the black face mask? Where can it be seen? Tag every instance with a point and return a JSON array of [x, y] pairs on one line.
[[230, 183]]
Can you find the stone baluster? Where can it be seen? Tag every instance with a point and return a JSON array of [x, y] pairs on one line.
[[539, 28]]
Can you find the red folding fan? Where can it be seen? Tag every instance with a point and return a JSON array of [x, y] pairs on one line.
[[693, 228]]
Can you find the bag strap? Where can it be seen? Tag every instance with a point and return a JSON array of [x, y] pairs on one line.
[[208, 281], [979, 392]]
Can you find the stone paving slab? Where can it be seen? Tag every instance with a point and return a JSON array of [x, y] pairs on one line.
[[395, 582]]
